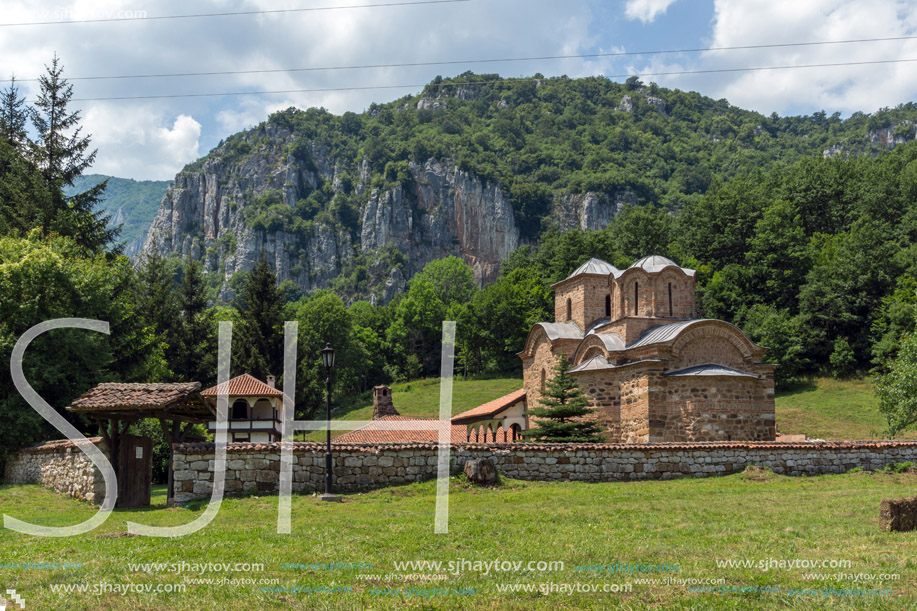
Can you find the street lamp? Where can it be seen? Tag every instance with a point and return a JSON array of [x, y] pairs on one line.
[[328, 362]]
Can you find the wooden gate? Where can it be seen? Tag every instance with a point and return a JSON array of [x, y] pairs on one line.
[[135, 471]]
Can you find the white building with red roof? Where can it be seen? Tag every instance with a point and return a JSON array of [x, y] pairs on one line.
[[255, 408]]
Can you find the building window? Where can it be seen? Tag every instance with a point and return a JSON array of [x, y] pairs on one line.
[[670, 300], [543, 376], [569, 309], [636, 298], [608, 305], [240, 410]]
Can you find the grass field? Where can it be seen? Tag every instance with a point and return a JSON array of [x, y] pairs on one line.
[[690, 524], [822, 408]]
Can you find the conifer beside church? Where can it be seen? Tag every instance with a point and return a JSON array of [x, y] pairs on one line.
[[559, 419]]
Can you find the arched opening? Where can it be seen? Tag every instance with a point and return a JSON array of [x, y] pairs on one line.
[[240, 409], [636, 298], [516, 431], [263, 409], [671, 309], [569, 309], [608, 305]]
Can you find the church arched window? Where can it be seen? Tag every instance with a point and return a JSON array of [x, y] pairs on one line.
[[569, 309]]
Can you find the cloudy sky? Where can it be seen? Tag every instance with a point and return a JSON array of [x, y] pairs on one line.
[[153, 138]]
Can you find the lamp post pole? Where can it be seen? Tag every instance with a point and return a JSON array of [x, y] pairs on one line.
[[328, 467], [328, 362]]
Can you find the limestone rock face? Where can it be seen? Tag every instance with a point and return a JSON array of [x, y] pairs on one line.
[[590, 211], [248, 197], [443, 211], [891, 136]]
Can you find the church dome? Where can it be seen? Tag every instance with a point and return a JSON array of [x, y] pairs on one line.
[[594, 266], [656, 263], [653, 263]]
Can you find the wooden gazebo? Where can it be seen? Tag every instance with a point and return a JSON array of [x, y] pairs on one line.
[[115, 406]]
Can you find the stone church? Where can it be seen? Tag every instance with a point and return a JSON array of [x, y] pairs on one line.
[[652, 371]]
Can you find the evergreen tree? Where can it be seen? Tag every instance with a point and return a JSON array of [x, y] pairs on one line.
[[258, 340], [563, 405], [157, 303], [62, 154], [13, 116], [194, 358], [23, 196]]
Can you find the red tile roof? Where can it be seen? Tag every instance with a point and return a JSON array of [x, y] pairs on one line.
[[244, 385], [373, 433], [57, 444], [535, 448], [491, 408], [117, 395]]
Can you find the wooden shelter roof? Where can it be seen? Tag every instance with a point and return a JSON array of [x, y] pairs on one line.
[[132, 400]]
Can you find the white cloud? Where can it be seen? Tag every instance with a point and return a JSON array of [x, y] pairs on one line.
[[842, 88], [144, 139], [139, 142], [646, 10]]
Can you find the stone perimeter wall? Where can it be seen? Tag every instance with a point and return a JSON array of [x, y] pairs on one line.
[[58, 465], [256, 467]]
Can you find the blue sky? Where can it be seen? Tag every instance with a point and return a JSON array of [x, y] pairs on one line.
[[154, 138]]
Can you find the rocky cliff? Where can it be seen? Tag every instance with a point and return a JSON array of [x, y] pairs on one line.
[[437, 211], [471, 166]]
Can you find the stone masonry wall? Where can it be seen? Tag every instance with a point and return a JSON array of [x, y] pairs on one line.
[[256, 467], [58, 465], [718, 408]]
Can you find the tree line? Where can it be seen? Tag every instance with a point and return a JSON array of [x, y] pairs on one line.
[[815, 258]]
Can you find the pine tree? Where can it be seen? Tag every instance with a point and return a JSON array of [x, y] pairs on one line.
[[562, 407], [259, 341], [157, 302], [13, 116], [23, 196], [194, 358], [61, 153]]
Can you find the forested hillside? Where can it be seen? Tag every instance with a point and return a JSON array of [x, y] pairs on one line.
[[346, 225], [472, 166], [130, 204]]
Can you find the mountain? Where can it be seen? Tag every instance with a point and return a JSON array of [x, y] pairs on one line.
[[130, 203], [473, 166]]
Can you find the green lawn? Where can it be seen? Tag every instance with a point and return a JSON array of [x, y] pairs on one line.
[[824, 408], [691, 523], [420, 398]]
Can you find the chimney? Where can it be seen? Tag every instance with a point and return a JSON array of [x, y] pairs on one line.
[[271, 381], [382, 402]]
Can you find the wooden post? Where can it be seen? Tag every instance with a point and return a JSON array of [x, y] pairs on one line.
[[176, 434], [170, 481]]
